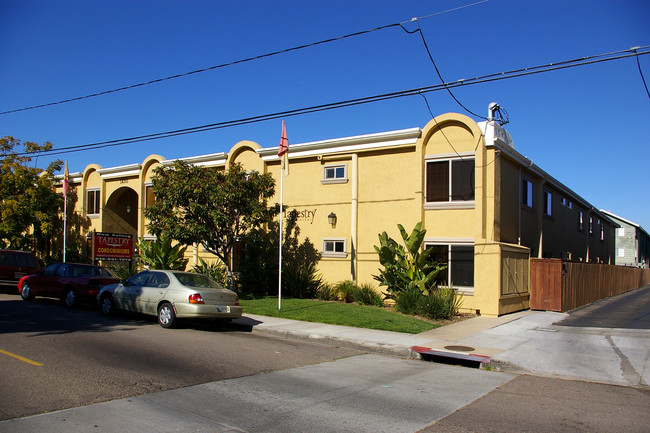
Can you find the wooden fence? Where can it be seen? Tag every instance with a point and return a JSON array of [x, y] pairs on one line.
[[561, 286]]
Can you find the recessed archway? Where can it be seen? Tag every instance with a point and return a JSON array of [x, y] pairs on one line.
[[121, 212]]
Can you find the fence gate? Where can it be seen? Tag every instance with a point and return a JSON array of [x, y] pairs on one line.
[[546, 284]]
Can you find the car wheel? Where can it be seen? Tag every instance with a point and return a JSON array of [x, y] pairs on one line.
[[166, 315], [26, 292], [107, 305], [69, 298]]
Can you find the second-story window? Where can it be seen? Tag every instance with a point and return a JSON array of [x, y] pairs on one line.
[[149, 198], [548, 203], [337, 173], [92, 202], [450, 180], [527, 192]]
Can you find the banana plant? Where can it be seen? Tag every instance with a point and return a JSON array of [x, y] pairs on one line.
[[160, 254], [406, 266]]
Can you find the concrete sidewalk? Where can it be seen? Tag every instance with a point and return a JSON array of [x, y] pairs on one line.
[[524, 342]]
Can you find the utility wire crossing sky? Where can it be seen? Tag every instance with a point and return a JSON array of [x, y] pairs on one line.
[[83, 74]]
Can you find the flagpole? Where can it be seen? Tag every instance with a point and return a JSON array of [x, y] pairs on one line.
[[66, 187], [65, 222], [280, 243]]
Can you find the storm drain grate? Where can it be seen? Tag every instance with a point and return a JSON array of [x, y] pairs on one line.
[[452, 357], [460, 348]]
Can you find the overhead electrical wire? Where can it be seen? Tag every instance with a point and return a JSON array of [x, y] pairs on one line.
[[638, 64], [588, 60], [426, 47], [235, 62]]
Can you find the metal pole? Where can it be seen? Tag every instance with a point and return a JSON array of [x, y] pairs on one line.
[[280, 245], [65, 222]]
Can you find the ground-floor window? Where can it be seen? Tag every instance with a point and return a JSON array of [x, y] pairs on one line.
[[334, 248], [459, 259]]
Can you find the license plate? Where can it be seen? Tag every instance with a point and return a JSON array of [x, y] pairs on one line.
[[223, 308]]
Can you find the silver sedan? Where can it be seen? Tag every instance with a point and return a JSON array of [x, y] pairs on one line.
[[171, 295]]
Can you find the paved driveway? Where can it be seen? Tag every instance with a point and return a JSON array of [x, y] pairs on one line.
[[607, 341], [629, 310]]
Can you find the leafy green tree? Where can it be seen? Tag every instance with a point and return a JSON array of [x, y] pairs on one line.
[[160, 254], [29, 205], [406, 267], [210, 207]]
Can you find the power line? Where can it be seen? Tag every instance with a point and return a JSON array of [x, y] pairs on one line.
[[426, 47], [235, 62], [583, 61], [641, 72]]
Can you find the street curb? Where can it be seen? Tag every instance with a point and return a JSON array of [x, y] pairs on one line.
[[366, 346]]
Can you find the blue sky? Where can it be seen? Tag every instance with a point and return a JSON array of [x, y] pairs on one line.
[[586, 126]]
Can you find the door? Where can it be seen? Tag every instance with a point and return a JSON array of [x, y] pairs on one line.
[[153, 291], [128, 296]]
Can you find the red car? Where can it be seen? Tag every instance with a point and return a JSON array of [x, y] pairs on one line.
[[14, 265], [71, 282]]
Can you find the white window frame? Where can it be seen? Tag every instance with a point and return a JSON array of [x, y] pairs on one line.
[[449, 204], [334, 253], [99, 205], [620, 252], [620, 232], [331, 180], [454, 242]]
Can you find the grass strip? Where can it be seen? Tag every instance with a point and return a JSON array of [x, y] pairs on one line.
[[337, 313]]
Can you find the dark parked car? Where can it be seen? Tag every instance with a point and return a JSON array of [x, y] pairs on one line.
[[71, 282], [14, 265]]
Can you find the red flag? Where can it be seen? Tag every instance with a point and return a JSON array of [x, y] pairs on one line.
[[284, 148], [66, 185]]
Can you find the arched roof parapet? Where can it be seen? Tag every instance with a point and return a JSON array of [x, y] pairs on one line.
[[147, 163], [240, 148], [438, 123], [90, 168]]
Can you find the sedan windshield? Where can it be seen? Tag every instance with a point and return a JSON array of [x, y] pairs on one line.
[[195, 280]]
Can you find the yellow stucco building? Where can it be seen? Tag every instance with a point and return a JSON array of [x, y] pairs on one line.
[[486, 208]]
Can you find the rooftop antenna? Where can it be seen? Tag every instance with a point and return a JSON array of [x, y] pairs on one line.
[[498, 114]]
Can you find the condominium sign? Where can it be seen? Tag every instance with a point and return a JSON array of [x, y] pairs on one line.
[[112, 246]]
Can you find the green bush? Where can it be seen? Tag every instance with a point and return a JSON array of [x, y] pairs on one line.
[[160, 254], [344, 290], [365, 294], [301, 281], [214, 270], [406, 300], [347, 291], [122, 270], [441, 303], [327, 292]]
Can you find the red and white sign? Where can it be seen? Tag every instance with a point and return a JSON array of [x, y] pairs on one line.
[[112, 246]]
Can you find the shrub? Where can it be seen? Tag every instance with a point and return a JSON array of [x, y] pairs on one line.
[[327, 292], [366, 295], [214, 270], [301, 281], [160, 254], [122, 270], [441, 303], [407, 299], [344, 290]]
